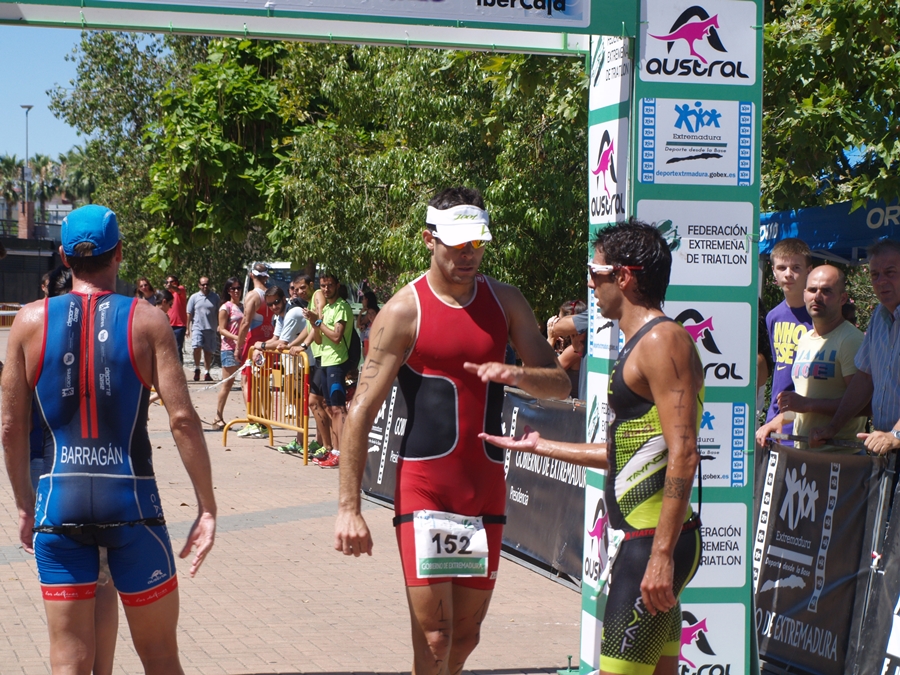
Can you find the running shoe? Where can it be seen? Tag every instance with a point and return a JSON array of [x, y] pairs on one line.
[[319, 455], [262, 431], [207, 378], [250, 430], [196, 374], [291, 447], [314, 446], [332, 462]]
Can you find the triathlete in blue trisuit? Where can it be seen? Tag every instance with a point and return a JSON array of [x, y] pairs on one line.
[[656, 391], [88, 359]]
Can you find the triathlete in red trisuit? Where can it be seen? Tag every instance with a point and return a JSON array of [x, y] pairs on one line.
[[445, 336]]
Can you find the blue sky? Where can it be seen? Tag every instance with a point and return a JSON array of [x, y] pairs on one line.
[[34, 61]]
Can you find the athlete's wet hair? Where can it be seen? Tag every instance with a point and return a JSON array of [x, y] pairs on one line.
[[636, 244], [791, 246], [86, 263], [456, 196]]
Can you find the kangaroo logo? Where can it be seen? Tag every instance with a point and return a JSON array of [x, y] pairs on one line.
[[701, 329], [606, 160], [601, 519], [695, 631], [692, 31]]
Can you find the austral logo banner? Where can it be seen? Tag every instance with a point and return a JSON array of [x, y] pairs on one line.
[[708, 644], [719, 331], [712, 42], [807, 556], [608, 171]]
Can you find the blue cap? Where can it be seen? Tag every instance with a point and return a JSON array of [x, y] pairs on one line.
[[92, 223]]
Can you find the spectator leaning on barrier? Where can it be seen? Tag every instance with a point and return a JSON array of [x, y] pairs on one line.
[[202, 308], [878, 377], [331, 327], [290, 321], [789, 320], [823, 365]]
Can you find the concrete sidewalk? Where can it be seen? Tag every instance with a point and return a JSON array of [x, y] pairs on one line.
[[273, 596]]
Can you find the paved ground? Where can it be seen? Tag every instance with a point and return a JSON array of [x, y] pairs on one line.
[[273, 596]]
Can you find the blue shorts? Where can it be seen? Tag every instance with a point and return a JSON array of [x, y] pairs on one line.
[[228, 360], [141, 563], [140, 556], [329, 381], [205, 339]]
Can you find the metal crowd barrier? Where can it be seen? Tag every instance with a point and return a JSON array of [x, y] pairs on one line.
[[279, 394], [8, 311]]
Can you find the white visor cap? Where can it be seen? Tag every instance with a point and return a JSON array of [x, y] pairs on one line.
[[459, 224]]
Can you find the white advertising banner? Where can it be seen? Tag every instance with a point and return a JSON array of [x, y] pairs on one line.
[[696, 142], [712, 639], [711, 42], [725, 431], [608, 167], [710, 241], [598, 409], [722, 332], [553, 12], [723, 560], [610, 71]]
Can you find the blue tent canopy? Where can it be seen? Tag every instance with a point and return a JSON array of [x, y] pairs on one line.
[[832, 232]]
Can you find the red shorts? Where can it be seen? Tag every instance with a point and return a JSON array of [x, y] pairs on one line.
[[406, 540]]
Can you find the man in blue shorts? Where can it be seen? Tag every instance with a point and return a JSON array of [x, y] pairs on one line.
[[88, 359]]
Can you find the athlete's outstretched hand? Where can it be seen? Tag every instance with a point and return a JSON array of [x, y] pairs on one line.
[[351, 534], [26, 533], [202, 535], [493, 371], [527, 442], [658, 584]]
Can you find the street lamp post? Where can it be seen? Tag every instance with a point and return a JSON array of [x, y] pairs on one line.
[[25, 169]]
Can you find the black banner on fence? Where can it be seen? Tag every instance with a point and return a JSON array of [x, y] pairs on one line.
[[810, 556], [881, 627], [545, 498]]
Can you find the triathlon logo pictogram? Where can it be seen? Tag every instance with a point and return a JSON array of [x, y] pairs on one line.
[[606, 162], [690, 30], [694, 632], [700, 330]]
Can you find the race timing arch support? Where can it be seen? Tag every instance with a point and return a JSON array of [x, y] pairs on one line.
[[674, 125], [675, 117]]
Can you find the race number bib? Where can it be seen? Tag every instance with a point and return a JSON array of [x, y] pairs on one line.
[[449, 545]]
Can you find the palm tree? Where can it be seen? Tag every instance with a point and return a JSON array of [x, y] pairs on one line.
[[46, 183], [10, 175], [77, 183]]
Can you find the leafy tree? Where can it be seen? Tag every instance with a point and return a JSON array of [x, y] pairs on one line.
[[214, 150], [831, 108], [112, 101], [379, 130], [77, 183], [10, 179], [46, 182]]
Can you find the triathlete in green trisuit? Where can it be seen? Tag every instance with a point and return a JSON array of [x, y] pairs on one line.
[[656, 391]]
